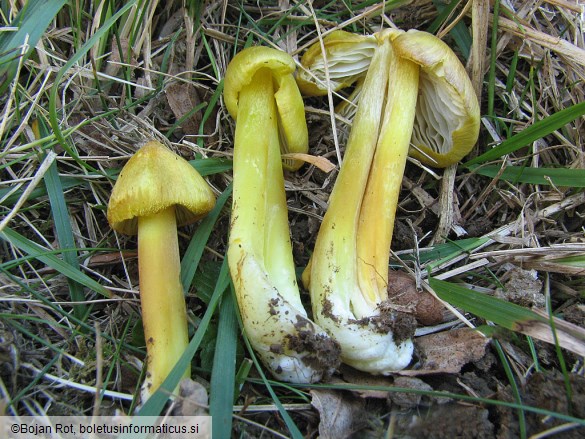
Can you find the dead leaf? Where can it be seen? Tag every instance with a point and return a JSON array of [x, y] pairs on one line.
[[182, 98], [448, 351], [341, 414], [112, 258], [117, 59], [358, 378], [567, 335], [193, 399]]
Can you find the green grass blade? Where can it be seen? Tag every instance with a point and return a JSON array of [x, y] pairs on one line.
[[577, 261], [157, 401], [474, 399], [513, 317], [445, 10], [31, 22], [62, 222], [39, 191], [292, 427], [208, 111], [443, 253], [212, 165], [534, 132], [541, 176], [32, 290], [33, 384], [503, 313], [290, 424], [192, 255], [205, 167], [222, 384], [514, 387], [40, 253], [460, 33]]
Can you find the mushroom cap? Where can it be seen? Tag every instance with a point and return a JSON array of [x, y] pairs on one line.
[[245, 64], [154, 179], [289, 102], [347, 57], [447, 119]]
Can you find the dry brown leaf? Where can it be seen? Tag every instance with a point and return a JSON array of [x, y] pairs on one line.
[[341, 414], [409, 399], [567, 335], [448, 351], [182, 98], [112, 258], [116, 58], [193, 399], [358, 378]]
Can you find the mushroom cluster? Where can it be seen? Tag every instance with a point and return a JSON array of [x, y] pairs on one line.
[[413, 95]]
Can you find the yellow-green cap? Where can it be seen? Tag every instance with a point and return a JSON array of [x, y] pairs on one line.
[[154, 179]]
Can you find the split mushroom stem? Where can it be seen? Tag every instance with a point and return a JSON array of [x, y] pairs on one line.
[[378, 208], [157, 191], [415, 91], [258, 93], [340, 302]]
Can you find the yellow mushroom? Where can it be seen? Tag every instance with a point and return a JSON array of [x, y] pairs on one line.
[[156, 192], [415, 92], [261, 94]]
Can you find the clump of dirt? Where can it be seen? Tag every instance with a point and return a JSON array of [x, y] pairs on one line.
[[575, 314], [453, 421], [323, 351], [401, 324], [522, 287], [327, 310]]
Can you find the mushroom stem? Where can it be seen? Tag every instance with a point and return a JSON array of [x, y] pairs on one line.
[[254, 129], [162, 300], [262, 216], [378, 209]]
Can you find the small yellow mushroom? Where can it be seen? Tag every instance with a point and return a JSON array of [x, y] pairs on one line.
[[156, 192]]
